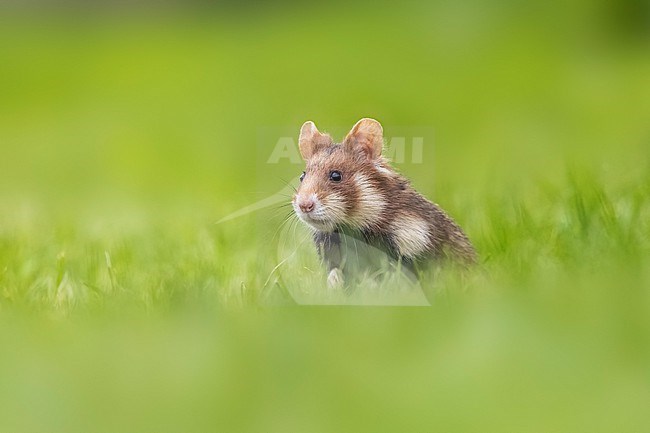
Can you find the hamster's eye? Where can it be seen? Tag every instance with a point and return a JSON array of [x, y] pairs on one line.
[[335, 176], [302, 176]]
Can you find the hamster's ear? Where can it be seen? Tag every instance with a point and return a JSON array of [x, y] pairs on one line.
[[311, 140], [367, 137]]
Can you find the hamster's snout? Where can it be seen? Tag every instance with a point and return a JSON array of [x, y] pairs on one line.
[[306, 205], [313, 212]]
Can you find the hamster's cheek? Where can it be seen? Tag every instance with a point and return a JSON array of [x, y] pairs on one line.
[[335, 199], [335, 205]]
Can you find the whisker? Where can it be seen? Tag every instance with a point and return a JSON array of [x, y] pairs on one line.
[[287, 218], [287, 183]]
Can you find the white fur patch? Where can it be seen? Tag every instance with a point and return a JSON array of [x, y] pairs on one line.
[[411, 235], [334, 206], [382, 169], [371, 203], [335, 279]]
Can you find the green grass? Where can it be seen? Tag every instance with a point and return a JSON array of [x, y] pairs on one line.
[[124, 306]]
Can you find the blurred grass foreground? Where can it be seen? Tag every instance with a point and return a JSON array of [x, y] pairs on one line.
[[127, 131]]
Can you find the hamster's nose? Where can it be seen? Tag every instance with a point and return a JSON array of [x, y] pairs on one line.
[[306, 206]]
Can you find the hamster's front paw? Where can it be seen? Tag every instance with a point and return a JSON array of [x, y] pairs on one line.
[[335, 279]]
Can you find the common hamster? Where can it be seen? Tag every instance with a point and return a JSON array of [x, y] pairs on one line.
[[349, 189]]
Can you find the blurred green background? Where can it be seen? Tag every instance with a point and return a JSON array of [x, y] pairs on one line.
[[127, 131]]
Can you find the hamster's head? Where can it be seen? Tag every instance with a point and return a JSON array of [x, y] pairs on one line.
[[342, 183]]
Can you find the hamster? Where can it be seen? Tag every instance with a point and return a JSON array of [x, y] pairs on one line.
[[349, 189]]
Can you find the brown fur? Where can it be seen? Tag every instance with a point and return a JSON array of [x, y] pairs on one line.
[[383, 210]]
